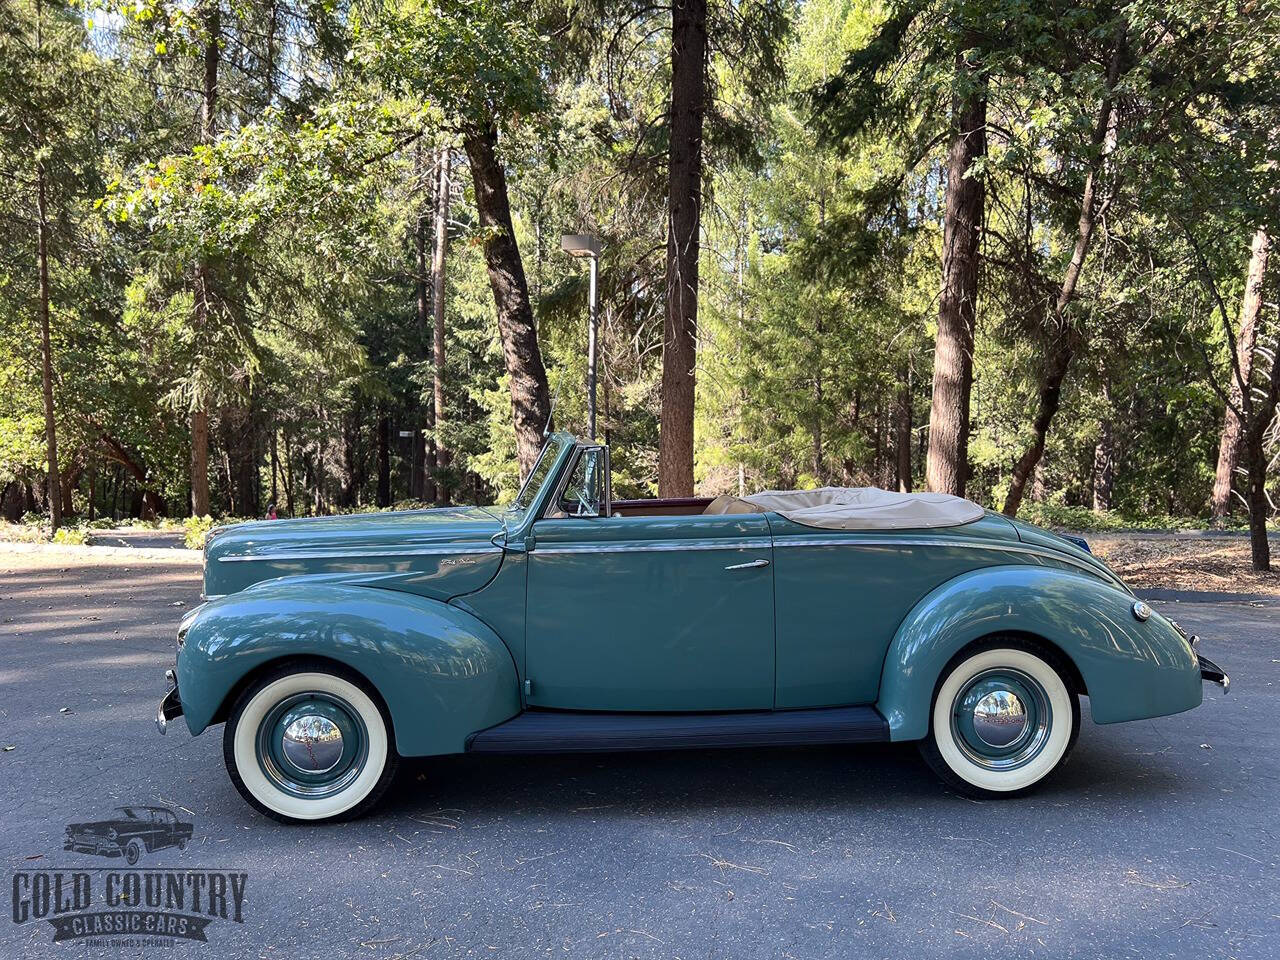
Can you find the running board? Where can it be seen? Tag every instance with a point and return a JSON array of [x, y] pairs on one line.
[[564, 731]]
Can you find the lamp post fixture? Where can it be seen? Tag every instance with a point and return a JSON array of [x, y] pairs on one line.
[[582, 245]]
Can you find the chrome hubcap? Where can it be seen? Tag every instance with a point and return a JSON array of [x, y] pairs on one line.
[[312, 743], [999, 718]]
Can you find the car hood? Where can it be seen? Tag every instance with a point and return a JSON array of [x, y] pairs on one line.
[[403, 543], [93, 826]]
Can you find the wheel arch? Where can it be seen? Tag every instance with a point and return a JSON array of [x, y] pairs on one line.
[[233, 694], [1130, 669], [440, 672], [1031, 641]]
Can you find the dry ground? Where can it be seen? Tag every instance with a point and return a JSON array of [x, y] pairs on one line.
[[1218, 563]]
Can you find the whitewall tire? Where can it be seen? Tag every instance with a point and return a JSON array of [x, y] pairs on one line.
[[309, 742], [1003, 719]]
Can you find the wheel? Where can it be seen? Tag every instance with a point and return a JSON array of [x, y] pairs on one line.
[[133, 852], [309, 742], [182, 844], [1003, 719]]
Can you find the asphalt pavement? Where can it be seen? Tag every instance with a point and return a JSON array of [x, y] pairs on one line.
[[1159, 839]]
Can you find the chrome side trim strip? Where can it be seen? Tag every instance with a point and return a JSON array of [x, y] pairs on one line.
[[761, 543], [338, 554], [631, 546], [1009, 547]]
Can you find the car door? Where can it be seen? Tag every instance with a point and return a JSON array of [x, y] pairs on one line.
[[647, 613]]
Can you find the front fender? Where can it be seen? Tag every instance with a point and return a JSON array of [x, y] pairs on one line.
[[443, 673], [1131, 669]]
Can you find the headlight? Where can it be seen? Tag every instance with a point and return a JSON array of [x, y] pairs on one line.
[[184, 625], [111, 834]]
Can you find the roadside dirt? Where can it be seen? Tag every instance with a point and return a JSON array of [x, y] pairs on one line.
[[1218, 564]]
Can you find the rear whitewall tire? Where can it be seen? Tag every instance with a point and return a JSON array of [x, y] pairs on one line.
[[960, 765], [243, 736]]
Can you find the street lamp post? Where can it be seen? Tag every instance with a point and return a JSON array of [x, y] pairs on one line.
[[582, 245]]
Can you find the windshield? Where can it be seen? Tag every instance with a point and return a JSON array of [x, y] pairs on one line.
[[537, 476]]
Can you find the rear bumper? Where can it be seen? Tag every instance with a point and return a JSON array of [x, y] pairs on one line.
[[1213, 673], [1208, 669], [171, 706]]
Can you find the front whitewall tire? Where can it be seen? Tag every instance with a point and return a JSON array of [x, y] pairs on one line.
[[242, 742]]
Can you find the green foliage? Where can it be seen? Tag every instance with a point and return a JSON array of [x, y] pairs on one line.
[[75, 536], [196, 531]]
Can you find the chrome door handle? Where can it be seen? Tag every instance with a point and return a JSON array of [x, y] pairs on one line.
[[748, 565]]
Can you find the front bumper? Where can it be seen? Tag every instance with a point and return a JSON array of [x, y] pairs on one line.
[[101, 846], [171, 706]]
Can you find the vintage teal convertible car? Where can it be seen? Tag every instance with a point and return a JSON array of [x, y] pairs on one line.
[[572, 622]]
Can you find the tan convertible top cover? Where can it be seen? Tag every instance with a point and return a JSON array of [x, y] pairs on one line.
[[855, 508]]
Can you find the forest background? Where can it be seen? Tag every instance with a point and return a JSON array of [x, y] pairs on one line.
[[307, 252]]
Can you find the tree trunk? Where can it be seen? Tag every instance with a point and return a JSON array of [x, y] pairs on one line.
[[288, 475], [1256, 463], [1250, 310], [201, 289], [348, 482], [240, 430], [67, 486], [275, 468], [1056, 366], [152, 505], [1259, 409], [11, 502], [46, 351], [947, 467], [819, 457], [46, 345], [1068, 341], [1104, 466], [384, 459], [438, 281], [423, 486], [317, 473], [684, 179], [530, 399], [902, 431]]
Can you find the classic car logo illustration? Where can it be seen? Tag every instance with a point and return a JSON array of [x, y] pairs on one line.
[[115, 906], [135, 830]]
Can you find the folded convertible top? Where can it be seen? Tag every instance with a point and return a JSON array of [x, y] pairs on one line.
[[856, 508]]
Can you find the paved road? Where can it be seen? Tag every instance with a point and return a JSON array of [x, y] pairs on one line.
[[143, 538], [1158, 840]]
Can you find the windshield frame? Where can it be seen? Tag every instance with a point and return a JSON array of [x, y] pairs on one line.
[[529, 502]]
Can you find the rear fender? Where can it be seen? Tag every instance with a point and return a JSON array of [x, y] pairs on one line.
[[442, 673], [1131, 669]]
